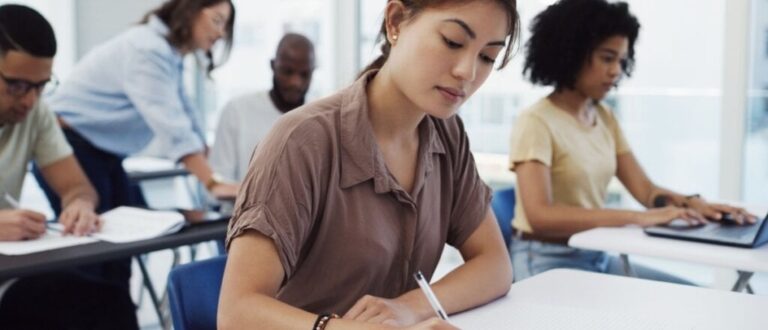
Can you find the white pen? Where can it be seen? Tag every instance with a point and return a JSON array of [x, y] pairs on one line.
[[14, 203], [430, 296]]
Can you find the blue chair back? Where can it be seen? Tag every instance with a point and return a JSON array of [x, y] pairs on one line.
[[503, 205], [193, 293]]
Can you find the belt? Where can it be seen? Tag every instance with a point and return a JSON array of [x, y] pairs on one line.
[[540, 238]]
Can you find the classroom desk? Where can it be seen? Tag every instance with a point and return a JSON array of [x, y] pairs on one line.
[[138, 175], [29, 264], [156, 174], [572, 299], [632, 240], [52, 260], [149, 168]]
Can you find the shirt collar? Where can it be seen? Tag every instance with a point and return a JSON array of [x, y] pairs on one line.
[[157, 25], [361, 159]]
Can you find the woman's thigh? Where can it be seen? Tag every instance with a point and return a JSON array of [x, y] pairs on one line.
[[532, 257]]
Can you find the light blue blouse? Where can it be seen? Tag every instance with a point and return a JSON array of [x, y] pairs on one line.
[[129, 91]]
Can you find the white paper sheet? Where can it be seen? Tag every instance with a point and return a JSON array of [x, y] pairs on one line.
[[129, 224], [51, 240]]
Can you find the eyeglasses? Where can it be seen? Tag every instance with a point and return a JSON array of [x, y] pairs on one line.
[[20, 87]]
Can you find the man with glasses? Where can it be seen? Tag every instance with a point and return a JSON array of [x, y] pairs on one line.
[[29, 131]]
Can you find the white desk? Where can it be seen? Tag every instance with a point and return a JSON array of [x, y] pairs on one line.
[[571, 299], [632, 240]]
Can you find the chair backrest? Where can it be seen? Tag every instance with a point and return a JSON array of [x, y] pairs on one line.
[[503, 204], [193, 293]]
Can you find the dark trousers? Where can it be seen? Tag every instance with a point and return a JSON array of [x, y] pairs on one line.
[[105, 172], [66, 301]]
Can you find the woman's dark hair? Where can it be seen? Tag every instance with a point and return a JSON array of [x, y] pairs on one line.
[[566, 34], [179, 15], [415, 7], [24, 29]]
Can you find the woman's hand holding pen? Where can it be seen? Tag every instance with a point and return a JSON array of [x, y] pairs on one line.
[[433, 324], [382, 311], [392, 312], [20, 224]]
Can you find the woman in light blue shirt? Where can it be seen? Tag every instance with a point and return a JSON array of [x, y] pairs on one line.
[[129, 91]]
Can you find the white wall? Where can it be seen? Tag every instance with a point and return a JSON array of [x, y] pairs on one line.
[[98, 20]]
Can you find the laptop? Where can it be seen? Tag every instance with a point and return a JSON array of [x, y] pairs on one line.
[[747, 236]]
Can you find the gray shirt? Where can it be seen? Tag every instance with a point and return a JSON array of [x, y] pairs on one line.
[[39, 138], [244, 122]]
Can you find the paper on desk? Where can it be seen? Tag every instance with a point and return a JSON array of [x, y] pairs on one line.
[[50, 241], [551, 317], [128, 224]]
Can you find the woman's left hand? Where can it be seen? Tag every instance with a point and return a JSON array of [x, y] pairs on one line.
[[382, 311], [715, 212]]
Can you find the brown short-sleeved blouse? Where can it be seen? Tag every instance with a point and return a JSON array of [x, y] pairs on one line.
[[343, 227]]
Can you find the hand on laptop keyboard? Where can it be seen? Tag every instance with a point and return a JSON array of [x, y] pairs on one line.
[[722, 212], [664, 215]]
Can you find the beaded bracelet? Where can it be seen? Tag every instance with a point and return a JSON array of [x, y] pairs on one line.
[[322, 320]]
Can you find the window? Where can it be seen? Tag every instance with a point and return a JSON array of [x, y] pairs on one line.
[[258, 28], [371, 15], [669, 109], [756, 140]]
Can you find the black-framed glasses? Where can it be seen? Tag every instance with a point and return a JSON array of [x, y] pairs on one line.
[[20, 87]]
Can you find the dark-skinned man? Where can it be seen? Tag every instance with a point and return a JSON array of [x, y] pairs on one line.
[[247, 119]]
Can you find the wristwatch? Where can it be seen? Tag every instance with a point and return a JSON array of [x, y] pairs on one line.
[[690, 197], [213, 181]]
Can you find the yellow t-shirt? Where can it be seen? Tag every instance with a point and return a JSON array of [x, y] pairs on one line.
[[581, 159]]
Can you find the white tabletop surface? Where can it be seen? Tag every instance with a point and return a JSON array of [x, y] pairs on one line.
[[571, 299], [632, 240]]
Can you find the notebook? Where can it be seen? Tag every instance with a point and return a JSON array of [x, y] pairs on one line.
[[121, 225], [129, 224]]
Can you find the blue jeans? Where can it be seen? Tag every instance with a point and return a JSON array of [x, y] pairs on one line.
[[532, 257]]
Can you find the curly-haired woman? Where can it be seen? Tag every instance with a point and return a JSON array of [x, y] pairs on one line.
[[567, 147]]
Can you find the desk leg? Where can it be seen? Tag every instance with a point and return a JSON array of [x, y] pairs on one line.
[[151, 289], [192, 253], [628, 271], [743, 282]]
